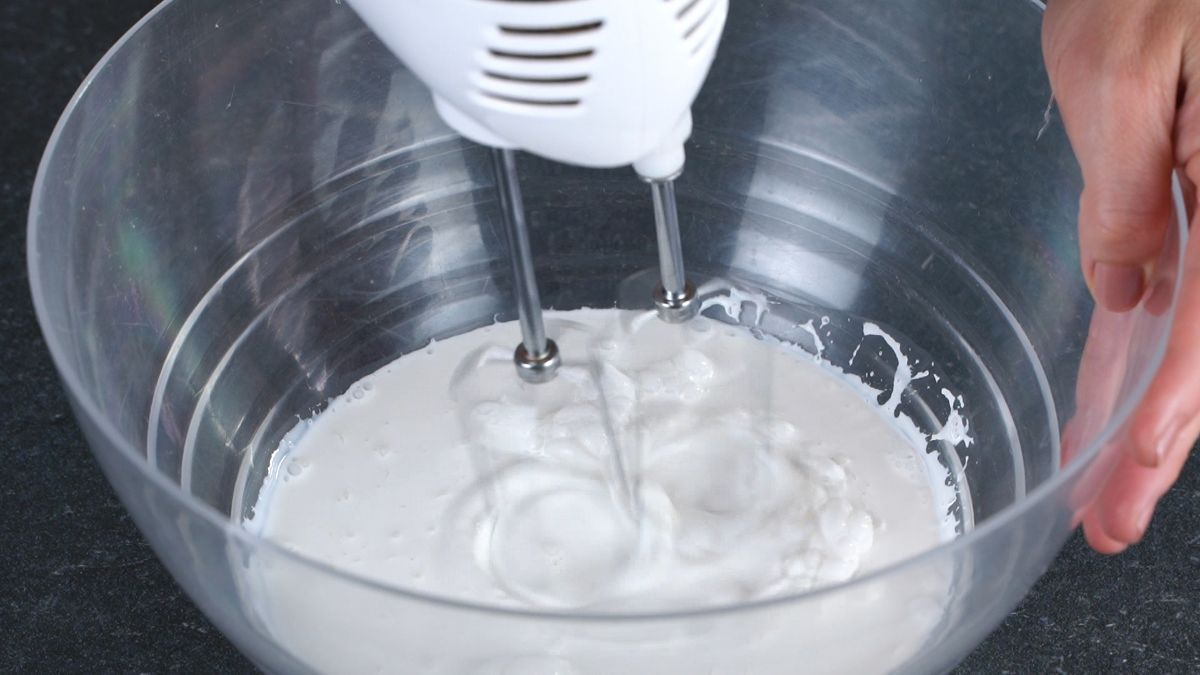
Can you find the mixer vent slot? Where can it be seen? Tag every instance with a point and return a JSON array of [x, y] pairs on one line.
[[538, 56], [530, 79], [697, 18], [543, 66], [553, 30], [686, 9], [549, 103], [695, 27]]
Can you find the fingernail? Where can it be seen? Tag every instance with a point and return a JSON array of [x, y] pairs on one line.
[[1118, 287]]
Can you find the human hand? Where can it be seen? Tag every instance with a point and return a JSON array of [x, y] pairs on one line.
[[1126, 76]]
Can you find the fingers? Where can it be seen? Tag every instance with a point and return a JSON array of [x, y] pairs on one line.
[[1162, 431], [1118, 70], [1167, 421], [1123, 510], [1116, 85]]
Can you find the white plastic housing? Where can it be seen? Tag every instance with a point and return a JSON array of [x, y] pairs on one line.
[[600, 83]]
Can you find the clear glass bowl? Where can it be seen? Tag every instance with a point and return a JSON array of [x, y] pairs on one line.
[[249, 206]]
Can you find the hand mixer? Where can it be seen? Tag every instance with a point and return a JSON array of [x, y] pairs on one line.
[[596, 83]]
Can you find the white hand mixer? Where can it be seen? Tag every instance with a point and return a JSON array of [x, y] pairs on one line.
[[596, 83]]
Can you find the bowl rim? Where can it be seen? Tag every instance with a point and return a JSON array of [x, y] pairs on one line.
[[88, 407]]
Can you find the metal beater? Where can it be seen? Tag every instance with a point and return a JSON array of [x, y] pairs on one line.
[[593, 83]]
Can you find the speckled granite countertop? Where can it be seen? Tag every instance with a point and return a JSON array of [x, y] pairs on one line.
[[80, 590]]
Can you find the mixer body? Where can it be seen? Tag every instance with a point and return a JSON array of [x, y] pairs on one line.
[[597, 83]]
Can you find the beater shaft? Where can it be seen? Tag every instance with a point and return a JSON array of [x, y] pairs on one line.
[[674, 297], [537, 357]]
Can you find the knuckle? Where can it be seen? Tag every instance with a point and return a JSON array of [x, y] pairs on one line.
[[1120, 222]]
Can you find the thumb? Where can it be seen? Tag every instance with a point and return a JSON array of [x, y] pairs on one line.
[[1116, 87]]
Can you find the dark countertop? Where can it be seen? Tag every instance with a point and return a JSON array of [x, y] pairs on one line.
[[80, 590]]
